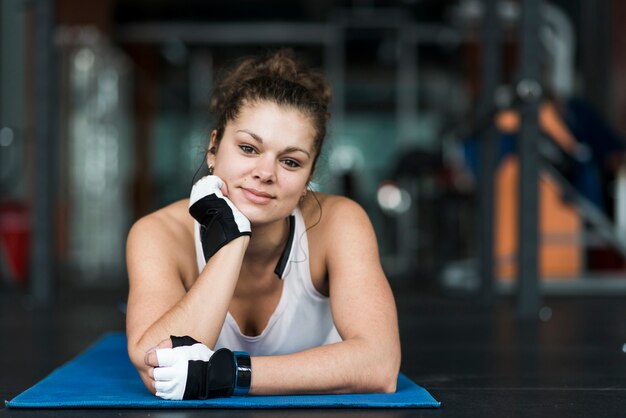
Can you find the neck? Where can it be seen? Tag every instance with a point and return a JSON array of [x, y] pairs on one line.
[[268, 241]]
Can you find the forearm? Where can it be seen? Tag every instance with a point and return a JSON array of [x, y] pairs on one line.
[[200, 313], [353, 366]]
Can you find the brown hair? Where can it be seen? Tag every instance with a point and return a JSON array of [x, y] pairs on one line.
[[278, 78]]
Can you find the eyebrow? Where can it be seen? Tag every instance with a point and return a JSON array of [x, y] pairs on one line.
[[260, 140], [252, 134]]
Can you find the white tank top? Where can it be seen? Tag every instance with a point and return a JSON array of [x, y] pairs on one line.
[[302, 318]]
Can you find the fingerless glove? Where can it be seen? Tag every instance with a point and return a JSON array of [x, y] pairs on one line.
[[225, 374], [219, 220]]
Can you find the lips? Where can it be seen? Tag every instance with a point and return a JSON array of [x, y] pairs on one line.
[[257, 196], [258, 193]]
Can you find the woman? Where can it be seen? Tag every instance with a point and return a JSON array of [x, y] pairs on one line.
[[289, 276]]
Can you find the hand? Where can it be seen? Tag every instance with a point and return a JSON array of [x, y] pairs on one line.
[[194, 371], [170, 365], [219, 219]]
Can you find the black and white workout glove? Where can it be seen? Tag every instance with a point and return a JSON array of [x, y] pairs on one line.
[[191, 370], [220, 221]]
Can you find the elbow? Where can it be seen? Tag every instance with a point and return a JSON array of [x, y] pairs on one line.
[[384, 379], [388, 380], [388, 387], [383, 382], [137, 358], [135, 355], [389, 383], [390, 371]]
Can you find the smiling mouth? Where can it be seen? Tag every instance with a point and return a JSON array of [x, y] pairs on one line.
[[258, 193], [257, 196]]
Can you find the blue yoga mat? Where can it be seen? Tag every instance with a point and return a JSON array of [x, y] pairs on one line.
[[103, 377]]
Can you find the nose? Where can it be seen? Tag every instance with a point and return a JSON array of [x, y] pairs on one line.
[[265, 170]]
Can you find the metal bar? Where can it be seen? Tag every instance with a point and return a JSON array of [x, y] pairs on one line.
[[334, 65], [406, 85], [589, 285], [43, 264], [280, 32], [529, 90], [426, 33], [596, 40], [12, 62], [491, 71], [226, 33], [590, 213], [379, 18]]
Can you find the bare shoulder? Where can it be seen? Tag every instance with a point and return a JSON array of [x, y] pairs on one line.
[[336, 221], [169, 222], [332, 211]]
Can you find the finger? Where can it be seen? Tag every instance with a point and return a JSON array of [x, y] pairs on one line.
[[166, 357], [164, 374], [151, 359], [167, 343], [219, 183], [163, 389], [224, 189], [211, 183], [204, 187], [162, 395], [151, 373]]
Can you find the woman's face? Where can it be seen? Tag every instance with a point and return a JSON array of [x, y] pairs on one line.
[[265, 158]]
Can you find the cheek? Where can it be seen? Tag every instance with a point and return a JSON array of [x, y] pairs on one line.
[[296, 195], [230, 173], [294, 185]]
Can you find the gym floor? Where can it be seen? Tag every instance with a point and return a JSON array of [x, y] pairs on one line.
[[478, 361]]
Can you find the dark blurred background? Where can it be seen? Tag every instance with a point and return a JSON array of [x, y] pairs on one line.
[[104, 118]]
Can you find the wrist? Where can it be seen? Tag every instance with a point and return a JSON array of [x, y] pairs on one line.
[[243, 373], [240, 243]]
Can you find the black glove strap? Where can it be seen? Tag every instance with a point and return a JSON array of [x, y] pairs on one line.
[[212, 379], [217, 224], [182, 341]]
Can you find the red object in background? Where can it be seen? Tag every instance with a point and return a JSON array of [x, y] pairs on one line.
[[15, 235], [605, 259]]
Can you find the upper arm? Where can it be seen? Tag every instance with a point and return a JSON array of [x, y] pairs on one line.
[[155, 283], [361, 299]]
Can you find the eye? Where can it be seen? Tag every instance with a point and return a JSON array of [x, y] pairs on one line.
[[247, 149], [291, 163]]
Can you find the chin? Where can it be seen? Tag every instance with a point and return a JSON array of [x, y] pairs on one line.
[[263, 215]]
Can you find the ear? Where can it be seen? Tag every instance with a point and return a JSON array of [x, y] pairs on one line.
[[210, 156], [213, 140]]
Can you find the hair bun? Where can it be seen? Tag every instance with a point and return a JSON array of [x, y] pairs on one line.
[[281, 64]]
